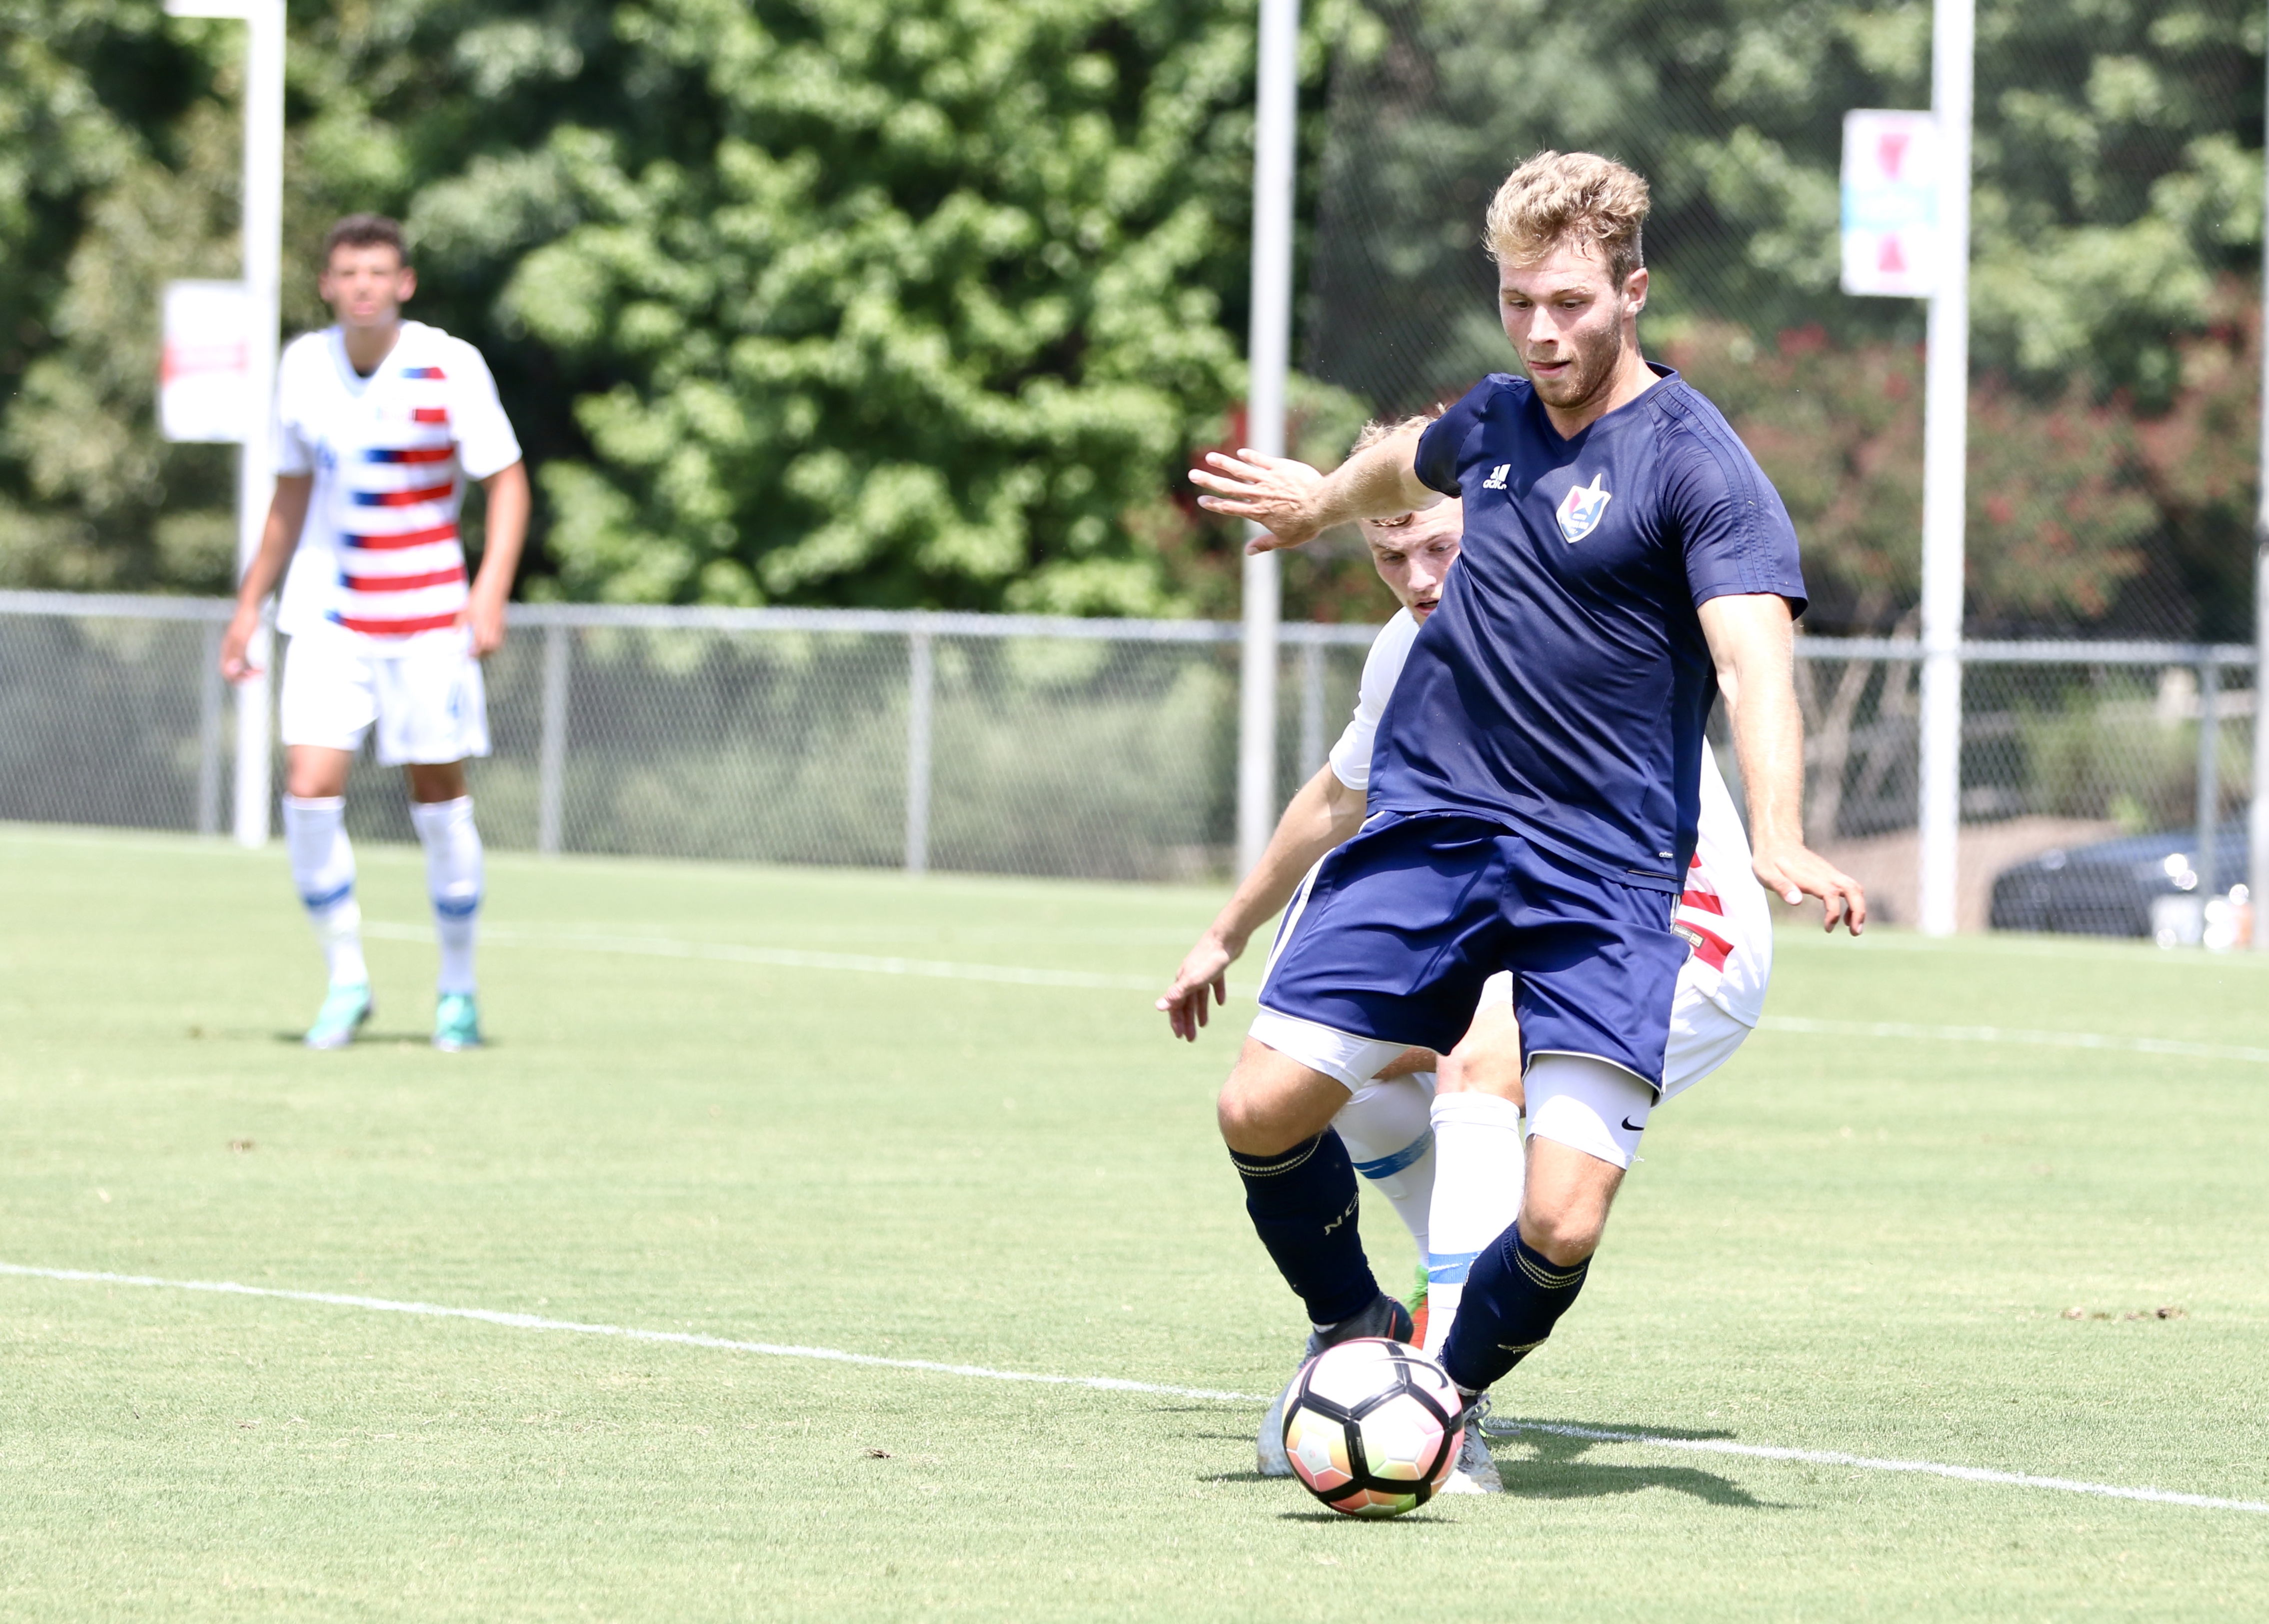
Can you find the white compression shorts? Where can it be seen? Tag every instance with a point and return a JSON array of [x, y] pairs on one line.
[[426, 699], [1588, 1105]]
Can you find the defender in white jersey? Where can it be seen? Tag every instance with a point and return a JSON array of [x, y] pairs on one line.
[[1398, 1124], [379, 424]]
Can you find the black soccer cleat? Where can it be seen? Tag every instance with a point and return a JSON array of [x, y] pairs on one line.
[[1384, 1318]]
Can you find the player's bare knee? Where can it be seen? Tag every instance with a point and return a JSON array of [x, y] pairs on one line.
[[1566, 1235], [1271, 1103], [432, 782], [1251, 1123], [1482, 1069], [1487, 1060], [311, 773]]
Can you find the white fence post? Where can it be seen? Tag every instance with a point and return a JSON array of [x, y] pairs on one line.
[[263, 249], [255, 743], [1269, 358], [2209, 784], [2257, 817], [921, 683], [551, 742], [212, 699], [1945, 451], [1312, 709]]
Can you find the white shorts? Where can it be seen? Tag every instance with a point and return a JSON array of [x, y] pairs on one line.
[[1703, 1036], [425, 697]]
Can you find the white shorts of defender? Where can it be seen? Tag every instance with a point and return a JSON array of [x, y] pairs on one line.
[[1703, 1036], [425, 697]]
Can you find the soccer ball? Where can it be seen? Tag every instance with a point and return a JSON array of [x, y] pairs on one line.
[[1372, 1427]]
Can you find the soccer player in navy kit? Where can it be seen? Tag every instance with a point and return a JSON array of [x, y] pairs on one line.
[[1535, 814]]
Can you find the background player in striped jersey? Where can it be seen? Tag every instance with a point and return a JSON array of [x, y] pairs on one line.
[[378, 422], [1403, 1123]]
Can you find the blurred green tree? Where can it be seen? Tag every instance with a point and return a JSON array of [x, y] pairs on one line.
[[894, 302], [106, 186], [913, 303]]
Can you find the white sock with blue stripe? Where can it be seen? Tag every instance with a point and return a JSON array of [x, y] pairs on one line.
[[1477, 1186], [1385, 1129], [452, 876], [323, 868]]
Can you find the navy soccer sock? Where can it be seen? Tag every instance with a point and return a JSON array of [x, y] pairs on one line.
[[1302, 1202], [1514, 1295]]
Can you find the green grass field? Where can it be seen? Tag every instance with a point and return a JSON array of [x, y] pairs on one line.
[[1841, 1243]]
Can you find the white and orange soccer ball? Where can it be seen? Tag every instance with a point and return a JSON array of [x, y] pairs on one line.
[[1372, 1426]]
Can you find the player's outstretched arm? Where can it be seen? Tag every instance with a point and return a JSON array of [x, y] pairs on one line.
[[1752, 640], [287, 511], [1296, 503], [1325, 813], [506, 530]]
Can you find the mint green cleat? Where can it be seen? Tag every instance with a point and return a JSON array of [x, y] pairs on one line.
[[345, 1008], [457, 1023]]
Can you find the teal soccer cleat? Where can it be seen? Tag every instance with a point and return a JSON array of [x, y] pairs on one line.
[[457, 1023], [344, 1009]]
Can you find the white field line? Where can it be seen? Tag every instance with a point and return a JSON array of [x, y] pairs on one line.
[[1867, 1463], [2030, 1036], [944, 970], [785, 959], [1111, 1384], [687, 1338]]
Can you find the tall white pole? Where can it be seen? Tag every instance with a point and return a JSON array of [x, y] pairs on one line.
[[263, 255], [2257, 820], [263, 252], [1946, 450], [1270, 354]]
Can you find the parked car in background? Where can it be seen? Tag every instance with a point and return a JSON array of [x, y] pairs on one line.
[[2137, 885]]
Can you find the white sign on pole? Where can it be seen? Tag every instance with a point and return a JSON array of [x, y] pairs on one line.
[[204, 373], [1891, 240]]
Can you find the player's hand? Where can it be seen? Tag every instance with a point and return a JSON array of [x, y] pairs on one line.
[[1795, 872], [1204, 971], [1406, 1062], [483, 619], [236, 646], [1272, 491]]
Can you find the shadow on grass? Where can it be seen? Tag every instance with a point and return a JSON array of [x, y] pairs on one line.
[[372, 1038], [1557, 1469], [1408, 1519]]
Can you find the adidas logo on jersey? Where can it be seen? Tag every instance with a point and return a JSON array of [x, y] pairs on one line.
[[1580, 509], [1496, 481]]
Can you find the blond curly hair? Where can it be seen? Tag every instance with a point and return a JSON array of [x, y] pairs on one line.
[[1573, 198]]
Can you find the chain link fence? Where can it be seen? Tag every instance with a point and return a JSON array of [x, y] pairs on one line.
[[2065, 746], [981, 743], [1091, 748]]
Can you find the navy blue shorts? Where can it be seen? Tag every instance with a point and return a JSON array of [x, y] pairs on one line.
[[1395, 933]]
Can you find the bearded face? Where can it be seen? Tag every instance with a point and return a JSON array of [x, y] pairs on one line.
[[1570, 322]]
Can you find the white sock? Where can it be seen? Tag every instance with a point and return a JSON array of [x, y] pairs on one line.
[[1477, 1181], [323, 868], [452, 876], [1385, 1129]]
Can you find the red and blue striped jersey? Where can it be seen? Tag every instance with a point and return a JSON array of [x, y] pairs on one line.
[[380, 557]]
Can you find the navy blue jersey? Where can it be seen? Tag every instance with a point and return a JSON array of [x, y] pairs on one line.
[[1561, 688]]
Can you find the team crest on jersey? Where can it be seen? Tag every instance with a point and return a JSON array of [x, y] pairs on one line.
[[1580, 509]]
